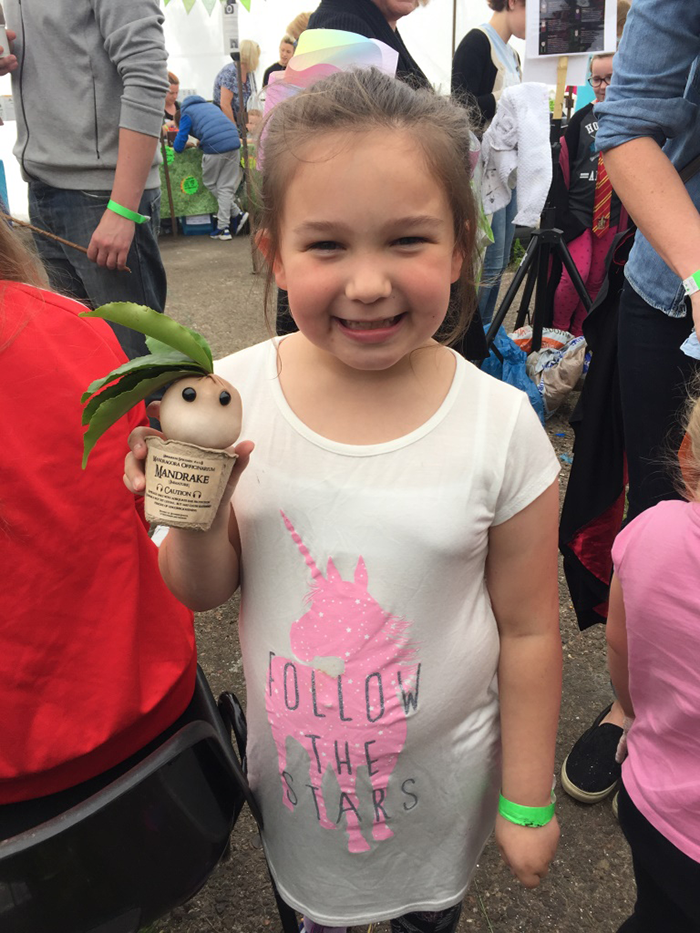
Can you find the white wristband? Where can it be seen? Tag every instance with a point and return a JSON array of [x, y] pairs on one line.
[[692, 283]]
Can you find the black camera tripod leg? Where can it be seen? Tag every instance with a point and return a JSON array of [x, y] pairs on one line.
[[571, 268], [540, 310], [530, 283], [523, 269]]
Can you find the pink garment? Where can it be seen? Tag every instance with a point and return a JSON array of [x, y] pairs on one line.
[[344, 632], [657, 559], [588, 253]]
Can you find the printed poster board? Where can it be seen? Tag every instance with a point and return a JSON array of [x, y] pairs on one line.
[[229, 13], [190, 197], [574, 28], [571, 27]]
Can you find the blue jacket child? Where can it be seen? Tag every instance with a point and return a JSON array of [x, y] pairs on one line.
[[205, 121]]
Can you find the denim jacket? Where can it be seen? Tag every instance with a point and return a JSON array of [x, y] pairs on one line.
[[655, 92]]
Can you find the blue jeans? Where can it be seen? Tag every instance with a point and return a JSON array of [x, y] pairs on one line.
[[74, 215], [496, 258]]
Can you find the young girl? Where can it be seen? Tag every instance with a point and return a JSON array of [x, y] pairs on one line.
[[590, 211], [654, 651], [394, 533]]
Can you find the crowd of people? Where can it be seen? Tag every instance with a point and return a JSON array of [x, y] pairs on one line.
[[391, 521]]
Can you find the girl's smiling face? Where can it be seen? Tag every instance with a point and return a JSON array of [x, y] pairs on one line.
[[366, 248]]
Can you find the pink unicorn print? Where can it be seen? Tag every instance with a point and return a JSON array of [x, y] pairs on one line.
[[344, 696]]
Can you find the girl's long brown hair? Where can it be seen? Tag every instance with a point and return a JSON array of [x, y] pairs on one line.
[[686, 461], [356, 102], [18, 260]]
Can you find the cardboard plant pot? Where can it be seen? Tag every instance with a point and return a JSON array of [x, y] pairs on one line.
[[184, 483], [200, 414]]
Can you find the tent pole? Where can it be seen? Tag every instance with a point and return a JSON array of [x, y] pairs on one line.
[[166, 172], [454, 27], [243, 132]]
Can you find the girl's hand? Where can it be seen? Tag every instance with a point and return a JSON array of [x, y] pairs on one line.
[[135, 460], [621, 752], [8, 61], [526, 850]]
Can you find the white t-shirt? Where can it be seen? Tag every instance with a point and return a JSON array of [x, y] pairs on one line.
[[369, 645]]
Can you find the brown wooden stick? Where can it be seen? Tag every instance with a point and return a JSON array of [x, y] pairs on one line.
[[166, 172], [243, 132], [51, 236]]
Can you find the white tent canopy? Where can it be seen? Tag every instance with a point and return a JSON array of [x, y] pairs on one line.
[[196, 48], [196, 51]]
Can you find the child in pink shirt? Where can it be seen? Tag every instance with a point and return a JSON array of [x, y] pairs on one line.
[[653, 636]]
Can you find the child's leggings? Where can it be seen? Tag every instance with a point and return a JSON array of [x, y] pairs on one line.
[[433, 921], [588, 252], [668, 881]]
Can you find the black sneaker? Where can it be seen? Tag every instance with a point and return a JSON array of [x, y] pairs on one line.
[[590, 772], [238, 223]]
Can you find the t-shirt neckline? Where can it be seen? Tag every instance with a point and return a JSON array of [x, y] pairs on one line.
[[361, 450]]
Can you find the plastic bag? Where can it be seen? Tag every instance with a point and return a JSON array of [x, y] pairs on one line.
[[512, 369], [558, 372], [551, 338]]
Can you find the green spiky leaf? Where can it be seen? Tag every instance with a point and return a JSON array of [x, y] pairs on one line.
[[148, 365], [114, 405], [133, 379], [157, 347], [175, 351], [158, 326]]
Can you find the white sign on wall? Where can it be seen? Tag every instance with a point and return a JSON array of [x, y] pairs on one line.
[[7, 108], [229, 12]]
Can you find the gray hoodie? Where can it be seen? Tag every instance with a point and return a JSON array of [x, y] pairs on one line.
[[87, 68]]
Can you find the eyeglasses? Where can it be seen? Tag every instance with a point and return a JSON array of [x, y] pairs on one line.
[[596, 80]]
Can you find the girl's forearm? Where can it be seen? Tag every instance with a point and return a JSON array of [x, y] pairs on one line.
[[617, 665], [529, 682], [616, 637], [200, 568]]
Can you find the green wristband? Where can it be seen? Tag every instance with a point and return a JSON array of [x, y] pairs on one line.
[[525, 816], [692, 283], [125, 212]]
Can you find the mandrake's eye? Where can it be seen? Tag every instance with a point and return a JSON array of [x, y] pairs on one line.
[[189, 394], [225, 398]]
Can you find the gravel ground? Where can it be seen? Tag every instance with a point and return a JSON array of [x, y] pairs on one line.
[[590, 885]]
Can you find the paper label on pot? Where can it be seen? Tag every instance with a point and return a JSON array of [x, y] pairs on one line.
[[184, 483]]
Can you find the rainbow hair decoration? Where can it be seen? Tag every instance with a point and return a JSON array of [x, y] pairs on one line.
[[323, 52]]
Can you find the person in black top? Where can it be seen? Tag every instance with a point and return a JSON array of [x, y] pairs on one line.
[[287, 46], [375, 19], [172, 104], [484, 65]]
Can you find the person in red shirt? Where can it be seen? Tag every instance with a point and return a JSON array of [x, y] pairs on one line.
[[97, 658]]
